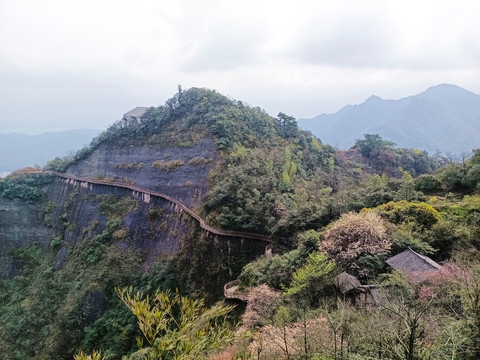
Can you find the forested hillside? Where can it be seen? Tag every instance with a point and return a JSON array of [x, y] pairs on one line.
[[102, 240]]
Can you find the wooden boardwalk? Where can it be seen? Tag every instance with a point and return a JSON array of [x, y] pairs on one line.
[[230, 291], [145, 195], [230, 288]]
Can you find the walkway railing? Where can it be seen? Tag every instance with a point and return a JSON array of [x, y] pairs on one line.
[[230, 288], [84, 182]]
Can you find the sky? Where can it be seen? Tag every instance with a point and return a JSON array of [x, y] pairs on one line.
[[71, 64]]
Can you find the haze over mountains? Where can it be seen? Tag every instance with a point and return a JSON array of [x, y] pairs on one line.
[[444, 118], [20, 150]]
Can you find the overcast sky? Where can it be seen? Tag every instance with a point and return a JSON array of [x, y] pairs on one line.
[[82, 64]]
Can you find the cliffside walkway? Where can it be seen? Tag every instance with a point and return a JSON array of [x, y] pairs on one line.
[[145, 193], [230, 291]]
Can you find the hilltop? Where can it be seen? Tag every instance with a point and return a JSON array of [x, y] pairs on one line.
[[444, 118]]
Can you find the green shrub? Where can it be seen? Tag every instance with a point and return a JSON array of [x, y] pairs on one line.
[[124, 166], [199, 161], [56, 243], [23, 192], [422, 214], [168, 165], [113, 207], [59, 164]]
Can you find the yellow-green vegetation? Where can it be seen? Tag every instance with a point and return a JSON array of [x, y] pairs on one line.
[[317, 267], [104, 178], [47, 211], [154, 214], [404, 212], [96, 355], [163, 226], [171, 165], [128, 166], [114, 208], [177, 327], [199, 161], [124, 166]]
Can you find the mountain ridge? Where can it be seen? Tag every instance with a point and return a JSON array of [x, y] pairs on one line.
[[443, 117], [18, 150]]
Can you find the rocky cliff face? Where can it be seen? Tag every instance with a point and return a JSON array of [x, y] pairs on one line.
[[155, 227], [88, 218], [21, 223], [179, 172], [156, 233]]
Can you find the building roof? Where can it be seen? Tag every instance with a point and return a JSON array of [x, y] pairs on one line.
[[411, 262], [135, 114], [347, 282]]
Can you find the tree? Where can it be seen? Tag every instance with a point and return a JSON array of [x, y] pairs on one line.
[[470, 297], [283, 319], [176, 327], [262, 303], [427, 184], [473, 177], [317, 267], [372, 142], [286, 125], [411, 333], [354, 236], [401, 329], [453, 178]]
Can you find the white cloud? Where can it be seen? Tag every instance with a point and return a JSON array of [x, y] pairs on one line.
[[66, 63]]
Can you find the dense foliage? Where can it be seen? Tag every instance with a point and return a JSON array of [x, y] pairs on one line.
[[26, 188], [385, 157]]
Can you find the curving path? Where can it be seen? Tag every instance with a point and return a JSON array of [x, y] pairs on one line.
[[147, 193], [230, 291]]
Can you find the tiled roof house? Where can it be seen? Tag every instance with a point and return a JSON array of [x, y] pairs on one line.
[[413, 264], [135, 114], [360, 295]]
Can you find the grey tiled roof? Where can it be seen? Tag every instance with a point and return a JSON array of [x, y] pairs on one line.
[[412, 262], [347, 282], [136, 113]]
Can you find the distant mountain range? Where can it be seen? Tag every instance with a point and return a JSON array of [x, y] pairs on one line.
[[20, 150], [444, 118]]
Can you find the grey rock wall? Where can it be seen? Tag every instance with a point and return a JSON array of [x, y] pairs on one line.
[[21, 223], [78, 206], [187, 183], [74, 212]]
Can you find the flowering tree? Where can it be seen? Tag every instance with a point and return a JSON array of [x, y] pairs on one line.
[[354, 236]]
